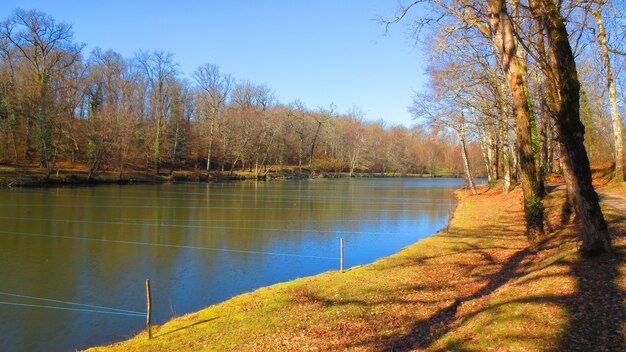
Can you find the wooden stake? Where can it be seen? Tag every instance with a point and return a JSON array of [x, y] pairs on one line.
[[149, 311], [341, 254]]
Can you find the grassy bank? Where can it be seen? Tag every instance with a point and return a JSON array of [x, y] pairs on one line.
[[476, 286]]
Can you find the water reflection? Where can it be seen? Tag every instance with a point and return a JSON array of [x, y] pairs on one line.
[[199, 244]]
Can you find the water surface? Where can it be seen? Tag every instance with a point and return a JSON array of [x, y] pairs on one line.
[[199, 244]]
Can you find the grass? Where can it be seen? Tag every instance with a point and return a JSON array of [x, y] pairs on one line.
[[476, 286]]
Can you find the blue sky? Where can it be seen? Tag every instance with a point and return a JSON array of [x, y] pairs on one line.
[[321, 52]]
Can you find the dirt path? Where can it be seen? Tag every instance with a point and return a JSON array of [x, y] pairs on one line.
[[613, 200]]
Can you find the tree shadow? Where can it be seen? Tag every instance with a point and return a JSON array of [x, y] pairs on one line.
[[186, 327], [597, 308], [424, 332]]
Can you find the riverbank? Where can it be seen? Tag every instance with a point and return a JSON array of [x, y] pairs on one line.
[[78, 174], [474, 286]]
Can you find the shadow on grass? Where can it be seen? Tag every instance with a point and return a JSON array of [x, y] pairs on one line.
[[597, 309], [186, 327], [597, 312], [424, 332]]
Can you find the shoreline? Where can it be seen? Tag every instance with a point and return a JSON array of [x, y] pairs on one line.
[[30, 177]]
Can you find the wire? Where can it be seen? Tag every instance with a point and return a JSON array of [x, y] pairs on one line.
[[167, 245], [72, 309], [71, 303], [195, 226], [122, 206]]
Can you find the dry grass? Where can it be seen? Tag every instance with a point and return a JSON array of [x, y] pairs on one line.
[[477, 286]]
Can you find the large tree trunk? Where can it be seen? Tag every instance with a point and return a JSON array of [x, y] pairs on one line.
[[610, 82], [595, 235], [502, 28]]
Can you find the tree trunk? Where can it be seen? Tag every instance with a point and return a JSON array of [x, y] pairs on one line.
[[157, 146], [595, 235], [506, 154], [502, 27], [610, 82], [208, 158], [313, 144], [506, 142], [487, 155], [469, 179], [570, 180]]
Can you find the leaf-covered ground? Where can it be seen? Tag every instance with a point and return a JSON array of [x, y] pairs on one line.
[[476, 286]]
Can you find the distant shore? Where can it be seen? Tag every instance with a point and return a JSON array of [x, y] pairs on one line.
[[29, 176]]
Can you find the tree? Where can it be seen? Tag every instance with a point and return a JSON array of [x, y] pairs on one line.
[[160, 71], [48, 50], [596, 7], [502, 31], [321, 119], [595, 234], [494, 22], [215, 89]]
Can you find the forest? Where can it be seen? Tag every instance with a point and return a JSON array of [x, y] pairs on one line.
[[108, 112]]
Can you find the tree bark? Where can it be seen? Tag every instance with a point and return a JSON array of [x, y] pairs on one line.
[[595, 234], [502, 28]]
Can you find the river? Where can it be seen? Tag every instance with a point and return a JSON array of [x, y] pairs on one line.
[[73, 261]]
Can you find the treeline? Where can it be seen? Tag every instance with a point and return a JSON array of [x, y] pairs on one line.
[[539, 84], [112, 113]]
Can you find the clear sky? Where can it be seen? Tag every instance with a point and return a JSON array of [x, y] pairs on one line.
[[318, 51]]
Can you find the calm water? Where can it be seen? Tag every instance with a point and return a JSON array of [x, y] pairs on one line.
[[199, 244]]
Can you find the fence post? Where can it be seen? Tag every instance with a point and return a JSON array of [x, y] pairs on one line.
[[341, 254], [149, 310]]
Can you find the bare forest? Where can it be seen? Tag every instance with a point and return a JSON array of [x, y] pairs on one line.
[[107, 112]]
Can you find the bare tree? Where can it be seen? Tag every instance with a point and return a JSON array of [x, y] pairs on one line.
[[596, 8], [160, 70], [48, 49], [595, 235], [216, 88]]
